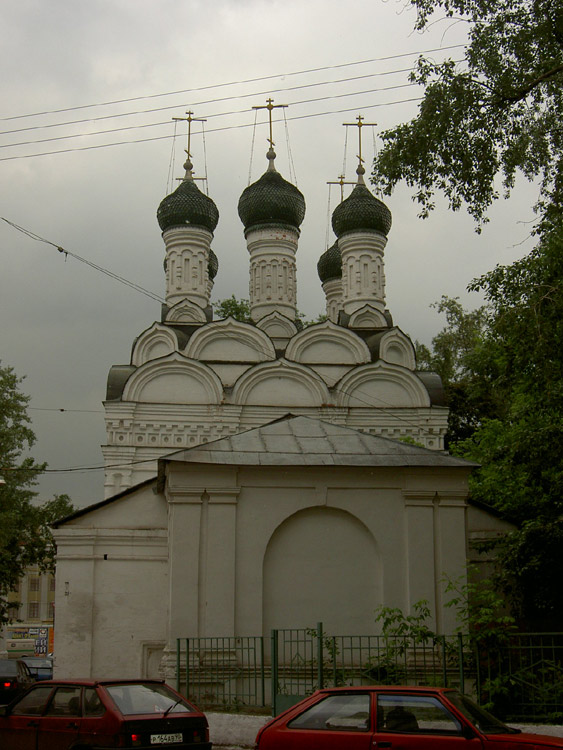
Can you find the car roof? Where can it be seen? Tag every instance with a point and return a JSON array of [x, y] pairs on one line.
[[386, 688], [91, 681]]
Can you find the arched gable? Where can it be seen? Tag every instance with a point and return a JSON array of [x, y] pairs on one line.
[[381, 385], [157, 341], [280, 383], [174, 380], [367, 317], [186, 312], [394, 347], [230, 340], [327, 343], [277, 326]]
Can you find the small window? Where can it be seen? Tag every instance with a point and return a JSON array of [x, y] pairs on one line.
[[425, 714], [33, 610], [33, 703], [52, 583], [93, 706], [34, 583], [51, 611], [65, 702], [349, 712]]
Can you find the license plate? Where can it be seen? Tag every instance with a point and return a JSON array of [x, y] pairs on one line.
[[165, 739]]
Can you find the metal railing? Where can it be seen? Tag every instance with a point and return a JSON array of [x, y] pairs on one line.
[[519, 677]]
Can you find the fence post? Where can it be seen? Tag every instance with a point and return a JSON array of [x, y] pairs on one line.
[[178, 664], [274, 672], [320, 673], [262, 671], [460, 659], [444, 664]]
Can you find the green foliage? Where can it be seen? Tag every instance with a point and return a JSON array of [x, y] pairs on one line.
[[496, 113], [239, 309], [480, 609], [394, 622], [458, 355], [25, 536], [504, 382]]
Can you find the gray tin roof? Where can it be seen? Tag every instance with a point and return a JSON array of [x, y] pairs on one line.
[[303, 441]]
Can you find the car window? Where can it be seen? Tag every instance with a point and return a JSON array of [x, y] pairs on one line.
[[93, 706], [415, 713], [146, 698], [480, 718], [32, 703], [348, 712], [8, 667], [23, 670], [65, 702]]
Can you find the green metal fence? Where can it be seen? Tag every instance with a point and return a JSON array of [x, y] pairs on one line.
[[519, 678]]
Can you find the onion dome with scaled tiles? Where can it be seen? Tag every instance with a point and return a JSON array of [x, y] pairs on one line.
[[361, 211], [212, 265], [330, 264], [187, 205], [271, 200]]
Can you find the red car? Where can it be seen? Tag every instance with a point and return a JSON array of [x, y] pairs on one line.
[[398, 718], [95, 714]]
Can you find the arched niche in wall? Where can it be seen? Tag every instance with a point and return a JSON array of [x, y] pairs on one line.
[[381, 385], [322, 565], [327, 343], [230, 340], [280, 383], [157, 341], [173, 380], [394, 347]]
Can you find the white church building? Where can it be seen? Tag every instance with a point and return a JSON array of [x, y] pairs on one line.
[[255, 472]]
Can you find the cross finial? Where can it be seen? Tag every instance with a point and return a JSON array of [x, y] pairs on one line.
[[341, 181], [359, 124], [189, 119], [270, 106]]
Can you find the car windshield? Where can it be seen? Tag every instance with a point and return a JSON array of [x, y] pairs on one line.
[[39, 663], [146, 698], [483, 720]]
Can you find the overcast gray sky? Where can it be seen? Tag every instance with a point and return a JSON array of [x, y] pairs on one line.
[[63, 323]]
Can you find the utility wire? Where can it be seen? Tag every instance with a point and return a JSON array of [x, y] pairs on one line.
[[234, 83], [103, 270], [223, 99], [212, 130]]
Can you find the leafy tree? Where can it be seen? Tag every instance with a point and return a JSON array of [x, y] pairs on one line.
[[497, 113], [469, 378], [239, 309], [505, 381], [25, 537]]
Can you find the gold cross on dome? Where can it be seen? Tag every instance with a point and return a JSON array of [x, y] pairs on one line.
[[270, 106], [359, 124], [189, 119], [341, 181]]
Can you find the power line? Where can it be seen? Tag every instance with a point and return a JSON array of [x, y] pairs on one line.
[[212, 130], [111, 274], [234, 83]]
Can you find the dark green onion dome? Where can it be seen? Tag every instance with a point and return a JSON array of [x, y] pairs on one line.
[[212, 264], [330, 264], [187, 205], [361, 211], [271, 200]]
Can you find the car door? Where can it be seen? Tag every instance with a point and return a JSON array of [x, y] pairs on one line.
[[422, 722], [18, 730], [332, 723], [60, 724]]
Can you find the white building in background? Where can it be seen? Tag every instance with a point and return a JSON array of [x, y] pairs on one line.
[[253, 474]]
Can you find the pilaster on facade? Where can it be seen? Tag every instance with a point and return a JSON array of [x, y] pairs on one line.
[[333, 293]]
